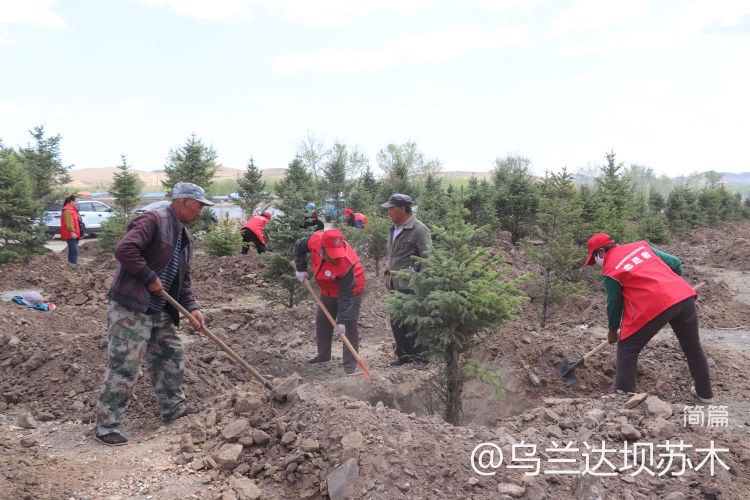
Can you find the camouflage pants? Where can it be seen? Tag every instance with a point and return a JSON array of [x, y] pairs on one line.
[[134, 336]]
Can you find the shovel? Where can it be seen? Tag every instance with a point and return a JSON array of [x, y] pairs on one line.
[[220, 343], [360, 361], [567, 371]]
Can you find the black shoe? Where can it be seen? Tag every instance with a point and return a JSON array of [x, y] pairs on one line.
[[400, 361], [181, 411], [111, 439], [317, 360], [420, 364], [350, 369]]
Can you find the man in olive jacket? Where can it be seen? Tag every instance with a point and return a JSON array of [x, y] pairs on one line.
[[408, 237], [154, 255]]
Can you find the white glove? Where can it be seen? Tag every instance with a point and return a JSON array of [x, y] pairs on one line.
[[339, 330], [301, 276]]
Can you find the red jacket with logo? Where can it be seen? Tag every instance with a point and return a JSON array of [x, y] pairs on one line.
[[65, 234], [649, 286], [328, 274], [256, 223]]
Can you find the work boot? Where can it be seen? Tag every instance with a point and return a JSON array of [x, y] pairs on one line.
[[111, 439], [350, 369], [318, 359], [702, 400], [179, 412], [400, 361]]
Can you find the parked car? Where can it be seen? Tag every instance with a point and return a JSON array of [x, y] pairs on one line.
[[93, 213]]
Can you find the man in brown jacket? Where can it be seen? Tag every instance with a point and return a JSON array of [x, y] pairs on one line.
[[154, 255], [408, 237]]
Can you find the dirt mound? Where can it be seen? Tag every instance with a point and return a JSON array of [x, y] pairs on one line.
[[374, 439]]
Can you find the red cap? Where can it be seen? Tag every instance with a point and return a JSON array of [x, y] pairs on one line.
[[267, 215], [347, 212], [333, 243], [596, 242]]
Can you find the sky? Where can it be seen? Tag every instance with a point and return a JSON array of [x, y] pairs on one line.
[[663, 83]]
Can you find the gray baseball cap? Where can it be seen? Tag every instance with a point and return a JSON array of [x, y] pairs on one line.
[[398, 200], [190, 190]]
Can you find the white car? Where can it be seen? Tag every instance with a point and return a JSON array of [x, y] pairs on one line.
[[93, 213]]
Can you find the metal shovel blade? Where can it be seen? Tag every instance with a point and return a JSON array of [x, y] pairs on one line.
[[567, 371]]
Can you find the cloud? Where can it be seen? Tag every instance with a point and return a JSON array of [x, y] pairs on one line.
[[411, 49], [588, 14], [12, 110], [216, 10], [334, 12], [312, 13], [271, 100], [30, 12], [138, 103]]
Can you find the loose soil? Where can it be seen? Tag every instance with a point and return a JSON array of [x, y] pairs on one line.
[[375, 438]]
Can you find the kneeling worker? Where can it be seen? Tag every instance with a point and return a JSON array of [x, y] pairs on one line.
[[341, 279]]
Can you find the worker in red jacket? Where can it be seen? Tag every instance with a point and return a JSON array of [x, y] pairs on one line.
[[645, 291], [253, 231], [70, 227], [341, 279], [360, 220]]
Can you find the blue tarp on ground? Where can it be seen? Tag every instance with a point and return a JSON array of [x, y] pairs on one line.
[[154, 195]]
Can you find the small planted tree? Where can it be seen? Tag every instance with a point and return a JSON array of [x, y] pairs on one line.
[[251, 187], [556, 252], [126, 190], [460, 290], [20, 238], [223, 238]]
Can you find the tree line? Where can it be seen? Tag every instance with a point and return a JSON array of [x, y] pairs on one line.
[[466, 290]]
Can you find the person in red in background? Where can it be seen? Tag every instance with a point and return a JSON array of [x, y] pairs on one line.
[[349, 216], [360, 220], [341, 279], [70, 227], [253, 231], [645, 291]]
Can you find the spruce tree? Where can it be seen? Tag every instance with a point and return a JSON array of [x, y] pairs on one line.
[[460, 290], [294, 189], [614, 202], [334, 171], [44, 166], [555, 250], [20, 237], [516, 195], [126, 189], [192, 162], [251, 187]]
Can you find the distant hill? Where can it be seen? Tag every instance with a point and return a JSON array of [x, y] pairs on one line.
[[101, 178]]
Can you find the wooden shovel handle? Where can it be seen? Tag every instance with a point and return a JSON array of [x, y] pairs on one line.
[[219, 342], [360, 361]]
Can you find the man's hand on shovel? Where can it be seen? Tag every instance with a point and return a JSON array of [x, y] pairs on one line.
[[613, 336]]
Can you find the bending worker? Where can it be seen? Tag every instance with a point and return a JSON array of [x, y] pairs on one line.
[[253, 231], [341, 279], [645, 291]]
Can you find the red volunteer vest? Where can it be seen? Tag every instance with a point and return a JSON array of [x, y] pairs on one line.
[[649, 286], [328, 274], [64, 233], [362, 217], [256, 223]]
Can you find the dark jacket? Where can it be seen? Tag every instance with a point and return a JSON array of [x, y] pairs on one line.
[[143, 252], [414, 239]]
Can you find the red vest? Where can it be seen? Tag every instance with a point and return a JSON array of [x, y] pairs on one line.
[[362, 217], [328, 274], [649, 286], [256, 223], [64, 233]]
